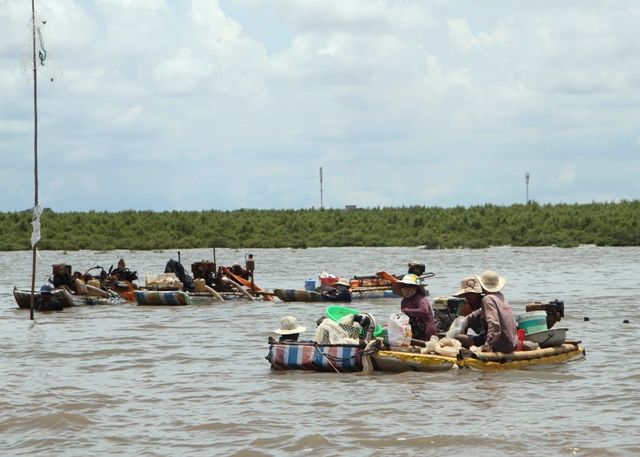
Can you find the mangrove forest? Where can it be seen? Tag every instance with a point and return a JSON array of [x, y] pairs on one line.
[[533, 224]]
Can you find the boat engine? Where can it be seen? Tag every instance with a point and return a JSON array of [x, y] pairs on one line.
[[204, 270], [62, 276], [554, 310], [416, 268]]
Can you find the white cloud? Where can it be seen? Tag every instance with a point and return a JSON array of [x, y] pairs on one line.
[[566, 175]]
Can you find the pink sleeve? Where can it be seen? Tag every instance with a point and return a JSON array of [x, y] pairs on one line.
[[494, 329]]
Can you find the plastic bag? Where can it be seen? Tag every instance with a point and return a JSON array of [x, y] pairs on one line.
[[399, 330], [445, 346], [459, 325], [330, 332]]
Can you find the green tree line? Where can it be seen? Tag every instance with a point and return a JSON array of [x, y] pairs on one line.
[[564, 225]]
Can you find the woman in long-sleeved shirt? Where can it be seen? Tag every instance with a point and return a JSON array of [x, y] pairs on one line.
[[494, 316], [415, 305]]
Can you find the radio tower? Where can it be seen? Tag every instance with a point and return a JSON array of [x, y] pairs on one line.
[[321, 204]]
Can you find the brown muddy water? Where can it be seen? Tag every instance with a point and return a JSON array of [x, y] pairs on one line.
[[193, 381]]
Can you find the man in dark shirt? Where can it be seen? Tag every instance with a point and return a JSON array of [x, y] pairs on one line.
[[339, 292], [47, 301]]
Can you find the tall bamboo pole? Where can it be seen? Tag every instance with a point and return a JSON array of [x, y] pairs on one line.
[[35, 152]]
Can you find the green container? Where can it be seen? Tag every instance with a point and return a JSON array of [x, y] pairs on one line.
[[336, 312], [533, 322]]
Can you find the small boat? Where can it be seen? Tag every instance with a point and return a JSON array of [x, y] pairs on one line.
[[373, 286], [162, 297], [177, 297], [175, 287], [290, 295], [398, 361], [66, 298], [378, 285], [313, 356]]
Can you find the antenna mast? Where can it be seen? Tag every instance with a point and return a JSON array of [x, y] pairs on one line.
[[321, 203], [526, 178]]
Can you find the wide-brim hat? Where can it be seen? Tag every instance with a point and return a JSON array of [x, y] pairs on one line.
[[407, 280], [342, 282], [469, 285], [46, 289], [491, 282], [289, 325]]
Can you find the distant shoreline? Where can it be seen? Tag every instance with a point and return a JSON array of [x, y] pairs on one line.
[[562, 225]]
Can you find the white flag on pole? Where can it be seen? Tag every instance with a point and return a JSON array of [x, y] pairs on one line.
[[35, 235]]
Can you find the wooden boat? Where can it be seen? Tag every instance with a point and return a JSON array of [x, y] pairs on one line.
[[303, 295], [23, 298], [396, 361], [176, 288], [373, 286], [379, 285], [486, 361]]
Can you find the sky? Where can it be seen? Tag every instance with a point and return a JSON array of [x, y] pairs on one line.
[[229, 104]]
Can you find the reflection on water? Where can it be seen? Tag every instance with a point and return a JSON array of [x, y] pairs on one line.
[[156, 381]]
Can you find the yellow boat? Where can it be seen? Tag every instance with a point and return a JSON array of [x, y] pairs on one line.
[[487, 361]]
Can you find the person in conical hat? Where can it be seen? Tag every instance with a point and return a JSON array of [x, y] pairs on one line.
[[415, 305]]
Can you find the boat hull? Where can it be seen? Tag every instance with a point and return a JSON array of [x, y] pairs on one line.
[[409, 361], [396, 361], [23, 299], [162, 298], [291, 295]]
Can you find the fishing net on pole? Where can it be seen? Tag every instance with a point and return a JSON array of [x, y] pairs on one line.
[[45, 69]]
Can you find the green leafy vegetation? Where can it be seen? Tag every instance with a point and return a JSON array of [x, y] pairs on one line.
[[564, 225]]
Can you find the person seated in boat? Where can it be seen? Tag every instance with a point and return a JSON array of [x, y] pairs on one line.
[[488, 313], [471, 291], [289, 330], [415, 305], [338, 291], [79, 285], [47, 301], [122, 273]]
